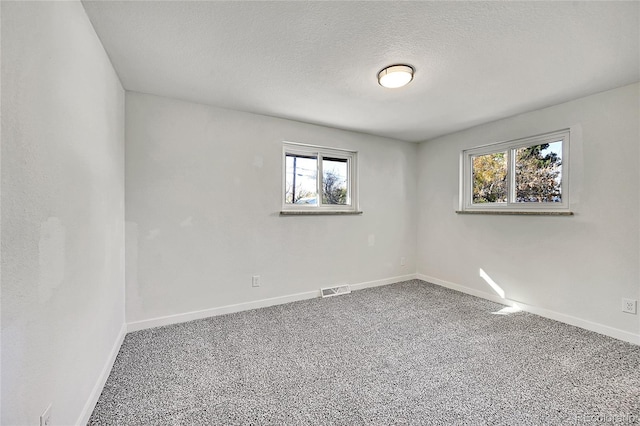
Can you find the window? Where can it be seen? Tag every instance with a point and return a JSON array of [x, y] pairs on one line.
[[524, 175], [317, 179]]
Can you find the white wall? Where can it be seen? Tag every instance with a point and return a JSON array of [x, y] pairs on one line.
[[202, 209], [62, 211], [579, 266]]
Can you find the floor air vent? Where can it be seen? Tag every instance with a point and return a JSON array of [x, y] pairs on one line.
[[335, 291]]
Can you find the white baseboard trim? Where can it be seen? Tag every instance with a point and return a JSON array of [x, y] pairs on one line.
[[102, 379], [245, 306], [556, 316], [386, 281], [221, 310]]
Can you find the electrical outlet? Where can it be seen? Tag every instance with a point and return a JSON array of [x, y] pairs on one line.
[[45, 417], [403, 261], [630, 306], [255, 281]]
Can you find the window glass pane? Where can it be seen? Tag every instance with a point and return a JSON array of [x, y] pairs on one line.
[[539, 173], [490, 178], [301, 174], [334, 181]]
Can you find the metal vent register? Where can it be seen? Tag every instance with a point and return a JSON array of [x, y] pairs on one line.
[[335, 291]]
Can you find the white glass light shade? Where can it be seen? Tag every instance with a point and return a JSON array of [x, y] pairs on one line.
[[395, 76]]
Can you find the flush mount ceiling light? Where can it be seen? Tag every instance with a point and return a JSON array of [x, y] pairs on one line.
[[395, 76]]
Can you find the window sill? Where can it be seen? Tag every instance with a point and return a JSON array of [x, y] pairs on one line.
[[319, 213], [512, 212]]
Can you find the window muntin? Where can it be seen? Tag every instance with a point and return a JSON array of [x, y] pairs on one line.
[[319, 178], [529, 174]]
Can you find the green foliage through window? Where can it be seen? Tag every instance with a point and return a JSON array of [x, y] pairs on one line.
[[520, 175], [490, 178], [539, 173]]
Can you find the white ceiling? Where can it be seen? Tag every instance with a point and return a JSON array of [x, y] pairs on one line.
[[317, 61]]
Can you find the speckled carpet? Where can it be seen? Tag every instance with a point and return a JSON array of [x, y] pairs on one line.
[[406, 353]]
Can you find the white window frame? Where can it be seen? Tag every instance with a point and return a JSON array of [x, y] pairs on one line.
[[321, 152], [466, 175]]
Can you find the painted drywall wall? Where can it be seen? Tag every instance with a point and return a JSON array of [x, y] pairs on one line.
[[62, 211], [579, 266], [203, 196]]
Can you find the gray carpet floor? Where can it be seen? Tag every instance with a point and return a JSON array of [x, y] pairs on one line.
[[406, 353]]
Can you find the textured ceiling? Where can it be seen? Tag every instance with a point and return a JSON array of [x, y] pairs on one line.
[[317, 61]]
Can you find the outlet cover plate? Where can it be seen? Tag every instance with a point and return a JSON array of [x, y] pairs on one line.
[[630, 306]]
